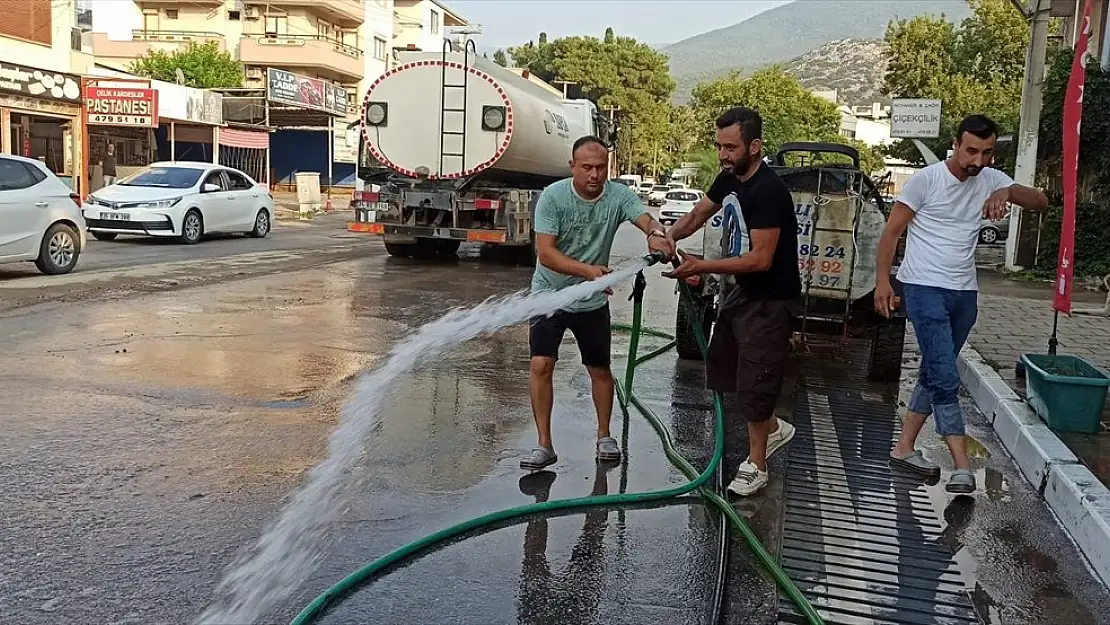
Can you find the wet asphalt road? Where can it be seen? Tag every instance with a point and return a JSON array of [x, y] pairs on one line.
[[149, 438]]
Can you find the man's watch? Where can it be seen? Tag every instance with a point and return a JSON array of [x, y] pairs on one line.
[[656, 233]]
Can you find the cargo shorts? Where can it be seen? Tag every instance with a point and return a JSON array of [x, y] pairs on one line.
[[748, 353]]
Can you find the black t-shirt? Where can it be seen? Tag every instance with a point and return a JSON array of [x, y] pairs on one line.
[[765, 202]]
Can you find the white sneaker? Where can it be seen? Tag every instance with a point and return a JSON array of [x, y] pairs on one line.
[[749, 480], [779, 437]]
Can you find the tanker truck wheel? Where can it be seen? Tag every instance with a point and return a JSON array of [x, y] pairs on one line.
[[399, 250], [449, 247], [887, 342], [686, 342]]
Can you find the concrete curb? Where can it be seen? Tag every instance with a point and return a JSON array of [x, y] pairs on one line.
[[1079, 499]]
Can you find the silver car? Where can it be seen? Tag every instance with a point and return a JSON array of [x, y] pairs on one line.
[[991, 232]]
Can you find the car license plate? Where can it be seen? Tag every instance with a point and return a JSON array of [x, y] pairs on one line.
[[116, 216]]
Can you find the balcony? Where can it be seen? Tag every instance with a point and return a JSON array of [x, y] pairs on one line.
[[324, 57], [343, 13], [143, 41]]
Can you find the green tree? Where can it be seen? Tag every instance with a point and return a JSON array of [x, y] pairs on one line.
[[618, 72], [204, 66], [974, 68], [789, 111], [500, 59]]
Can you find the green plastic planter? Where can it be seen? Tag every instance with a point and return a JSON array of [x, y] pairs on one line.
[[1066, 391]]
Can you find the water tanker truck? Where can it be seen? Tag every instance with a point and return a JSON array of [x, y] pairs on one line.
[[458, 149]]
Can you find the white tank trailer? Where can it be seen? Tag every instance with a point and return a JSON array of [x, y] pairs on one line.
[[467, 145]]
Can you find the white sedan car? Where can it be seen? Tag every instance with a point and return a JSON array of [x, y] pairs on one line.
[[181, 199], [676, 204], [40, 217]]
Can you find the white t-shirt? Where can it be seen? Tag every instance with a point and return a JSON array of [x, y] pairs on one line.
[[940, 241]]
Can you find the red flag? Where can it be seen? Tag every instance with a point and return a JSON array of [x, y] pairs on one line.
[[1073, 117]]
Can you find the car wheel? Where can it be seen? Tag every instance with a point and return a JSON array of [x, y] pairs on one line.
[[261, 224], [59, 250], [192, 228], [988, 235], [104, 236]]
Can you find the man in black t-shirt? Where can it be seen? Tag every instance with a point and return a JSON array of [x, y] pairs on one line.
[[759, 265]]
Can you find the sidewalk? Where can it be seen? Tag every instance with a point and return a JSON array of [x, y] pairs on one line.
[[1070, 470]]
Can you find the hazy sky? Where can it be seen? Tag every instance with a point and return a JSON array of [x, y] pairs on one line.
[[511, 22]]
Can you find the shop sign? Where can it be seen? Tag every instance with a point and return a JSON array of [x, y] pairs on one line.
[[189, 104], [39, 83], [345, 145], [122, 106], [284, 87]]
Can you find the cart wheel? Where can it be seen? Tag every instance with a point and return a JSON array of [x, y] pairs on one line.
[[686, 342], [887, 343]]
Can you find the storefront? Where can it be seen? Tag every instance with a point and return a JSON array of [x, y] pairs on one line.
[[190, 122], [122, 114], [40, 117]]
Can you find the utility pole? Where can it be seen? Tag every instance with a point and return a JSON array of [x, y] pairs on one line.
[[1021, 245], [564, 83]]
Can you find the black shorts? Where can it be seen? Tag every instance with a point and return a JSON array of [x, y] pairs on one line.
[[748, 352], [591, 329]]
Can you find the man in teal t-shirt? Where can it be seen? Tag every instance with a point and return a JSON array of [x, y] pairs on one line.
[[575, 223]]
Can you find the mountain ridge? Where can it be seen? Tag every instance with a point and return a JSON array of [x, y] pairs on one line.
[[770, 37]]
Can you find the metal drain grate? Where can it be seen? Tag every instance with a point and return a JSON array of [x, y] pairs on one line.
[[860, 540]]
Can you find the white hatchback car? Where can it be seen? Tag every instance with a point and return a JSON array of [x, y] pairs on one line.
[[181, 199], [40, 217], [676, 204]]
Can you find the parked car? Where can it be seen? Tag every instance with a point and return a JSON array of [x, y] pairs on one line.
[[644, 190], [40, 217], [994, 231], [658, 195], [676, 204], [181, 199]]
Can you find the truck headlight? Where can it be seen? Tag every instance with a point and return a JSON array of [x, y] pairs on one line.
[[493, 118], [377, 113]]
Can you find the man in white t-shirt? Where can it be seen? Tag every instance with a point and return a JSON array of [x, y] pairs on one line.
[[942, 205]]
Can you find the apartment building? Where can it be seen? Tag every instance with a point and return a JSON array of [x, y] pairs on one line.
[[423, 24], [41, 59], [314, 38]]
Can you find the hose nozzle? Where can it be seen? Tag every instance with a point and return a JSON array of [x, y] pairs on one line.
[[655, 257]]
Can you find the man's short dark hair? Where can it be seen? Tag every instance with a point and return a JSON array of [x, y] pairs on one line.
[[588, 139], [979, 125], [751, 124]]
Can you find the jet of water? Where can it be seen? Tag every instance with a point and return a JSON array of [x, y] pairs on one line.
[[287, 553]]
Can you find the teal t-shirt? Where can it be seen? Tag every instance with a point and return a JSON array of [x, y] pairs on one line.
[[583, 230]]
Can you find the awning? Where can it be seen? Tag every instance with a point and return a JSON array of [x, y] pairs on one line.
[[252, 139]]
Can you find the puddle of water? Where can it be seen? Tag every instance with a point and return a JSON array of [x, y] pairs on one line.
[[287, 553]]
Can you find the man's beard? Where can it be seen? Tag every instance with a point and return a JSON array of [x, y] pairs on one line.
[[740, 167], [972, 170]]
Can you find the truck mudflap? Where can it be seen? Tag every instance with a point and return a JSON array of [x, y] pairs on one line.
[[408, 234]]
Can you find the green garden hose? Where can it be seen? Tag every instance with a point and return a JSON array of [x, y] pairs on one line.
[[698, 482]]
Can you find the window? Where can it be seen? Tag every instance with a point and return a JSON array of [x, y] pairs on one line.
[[683, 196], [435, 23], [277, 25], [238, 182], [171, 14], [233, 16], [379, 48], [215, 178], [166, 177], [324, 29], [16, 175]]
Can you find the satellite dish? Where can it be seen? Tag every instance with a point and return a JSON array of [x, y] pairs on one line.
[[180, 75]]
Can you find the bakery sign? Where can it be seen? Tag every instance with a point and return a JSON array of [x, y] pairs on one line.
[[39, 83], [122, 106]]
